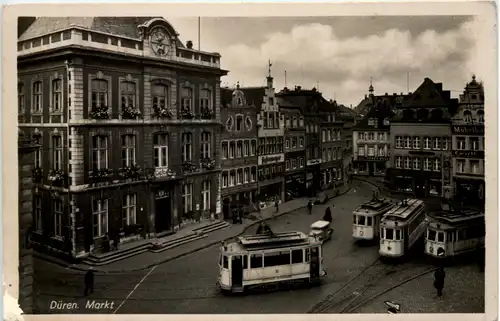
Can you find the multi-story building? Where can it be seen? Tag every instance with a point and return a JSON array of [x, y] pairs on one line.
[[26, 160], [371, 143], [420, 136], [270, 146], [468, 146], [348, 117], [332, 146], [291, 105], [128, 120], [239, 148]]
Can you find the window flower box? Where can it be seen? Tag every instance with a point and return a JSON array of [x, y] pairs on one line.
[[207, 113], [100, 175], [188, 166], [133, 171], [188, 114], [130, 112], [162, 112], [56, 176], [100, 112], [208, 163]]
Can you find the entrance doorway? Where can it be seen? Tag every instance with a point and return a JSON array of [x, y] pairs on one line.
[[163, 216]]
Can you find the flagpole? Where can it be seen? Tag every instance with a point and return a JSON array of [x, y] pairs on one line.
[[285, 78], [199, 32]]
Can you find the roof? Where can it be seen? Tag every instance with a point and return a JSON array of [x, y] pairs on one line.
[[309, 101], [428, 104], [320, 224], [375, 205], [254, 96], [382, 110], [393, 100], [456, 217], [119, 26], [405, 209]]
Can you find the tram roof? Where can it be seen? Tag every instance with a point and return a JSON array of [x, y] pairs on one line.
[[278, 240], [405, 209], [454, 218], [374, 205]]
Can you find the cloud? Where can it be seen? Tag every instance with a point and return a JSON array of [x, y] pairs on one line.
[[343, 66]]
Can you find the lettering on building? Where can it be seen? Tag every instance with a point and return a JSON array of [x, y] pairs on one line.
[[160, 194], [478, 130], [468, 153], [373, 158]]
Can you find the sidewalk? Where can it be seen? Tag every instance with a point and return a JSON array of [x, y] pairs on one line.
[[149, 259]]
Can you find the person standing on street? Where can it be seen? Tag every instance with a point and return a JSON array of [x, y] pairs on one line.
[[328, 215], [277, 204], [89, 282], [439, 276], [310, 206]]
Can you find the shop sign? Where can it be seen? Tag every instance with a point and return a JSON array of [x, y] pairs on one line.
[[313, 162], [468, 153], [373, 158], [271, 159], [160, 194], [470, 129]]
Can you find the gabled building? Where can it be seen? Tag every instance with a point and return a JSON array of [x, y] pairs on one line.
[[468, 146], [332, 145], [128, 120], [239, 146], [348, 117], [420, 135]]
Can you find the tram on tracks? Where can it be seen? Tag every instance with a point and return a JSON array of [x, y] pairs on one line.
[[269, 260], [452, 233], [401, 228], [367, 216]]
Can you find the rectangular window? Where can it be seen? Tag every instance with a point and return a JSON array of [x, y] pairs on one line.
[[301, 162], [206, 142], [187, 99], [474, 166], [287, 164], [239, 176], [128, 150], [246, 175], [361, 151], [381, 151], [57, 150], [246, 148], [474, 143], [287, 143], [129, 202], [239, 149], [294, 163], [232, 149], [416, 143], [407, 142], [37, 216], [294, 142], [371, 136], [100, 214], [427, 164], [225, 150], [461, 165], [301, 122], [160, 97], [37, 97], [205, 100], [275, 259], [232, 178], [427, 143], [297, 256], [127, 95], [437, 165], [416, 163], [408, 162], [187, 147], [253, 174], [255, 261], [461, 143], [160, 145], [205, 195], [399, 162], [329, 154], [99, 152], [446, 143], [253, 147], [20, 98], [239, 123], [225, 179], [58, 215], [301, 141], [56, 94], [436, 143], [371, 151], [99, 94], [187, 198]]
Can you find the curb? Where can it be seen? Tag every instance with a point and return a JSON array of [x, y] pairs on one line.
[[168, 259]]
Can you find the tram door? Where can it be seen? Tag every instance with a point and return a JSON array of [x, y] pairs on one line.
[[314, 268], [237, 271]]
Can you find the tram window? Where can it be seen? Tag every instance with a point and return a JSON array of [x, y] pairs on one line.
[[398, 235], [440, 236], [274, 259], [461, 235], [369, 221], [361, 220], [389, 234], [255, 261], [354, 219], [225, 262], [220, 259], [308, 255], [245, 262], [297, 256], [431, 235], [450, 236]]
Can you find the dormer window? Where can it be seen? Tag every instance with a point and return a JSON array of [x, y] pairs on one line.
[[240, 101], [467, 116], [386, 122], [371, 122], [480, 116]]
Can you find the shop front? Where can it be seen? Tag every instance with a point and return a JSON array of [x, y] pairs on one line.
[[295, 185], [418, 183], [163, 201], [470, 191], [370, 165]]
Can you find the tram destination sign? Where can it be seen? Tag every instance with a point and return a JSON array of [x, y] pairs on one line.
[[470, 129], [468, 153]]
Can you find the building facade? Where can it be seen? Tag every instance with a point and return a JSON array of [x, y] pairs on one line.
[[332, 146], [348, 118], [128, 118], [295, 144], [239, 149], [26, 160], [420, 136], [468, 146]]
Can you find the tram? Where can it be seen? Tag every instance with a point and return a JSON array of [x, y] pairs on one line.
[[451, 233], [401, 228], [268, 260], [366, 218]]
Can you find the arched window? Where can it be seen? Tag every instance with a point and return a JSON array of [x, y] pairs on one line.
[[160, 97], [127, 93], [480, 116], [467, 116], [99, 93]]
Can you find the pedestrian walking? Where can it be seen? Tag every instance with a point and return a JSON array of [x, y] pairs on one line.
[[439, 276], [310, 206], [89, 282], [328, 215]]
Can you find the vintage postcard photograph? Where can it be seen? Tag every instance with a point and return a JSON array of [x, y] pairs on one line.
[[251, 159]]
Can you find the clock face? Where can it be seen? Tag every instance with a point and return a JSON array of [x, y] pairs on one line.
[[160, 42]]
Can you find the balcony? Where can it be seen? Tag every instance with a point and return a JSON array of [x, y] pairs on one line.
[[100, 175], [207, 163], [56, 176], [188, 167]]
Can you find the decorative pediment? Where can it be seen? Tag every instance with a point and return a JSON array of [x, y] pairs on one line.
[[56, 75], [205, 86], [100, 75], [129, 77], [186, 84], [36, 77], [55, 131]]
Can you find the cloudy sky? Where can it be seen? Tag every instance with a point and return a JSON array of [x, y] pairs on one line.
[[341, 53]]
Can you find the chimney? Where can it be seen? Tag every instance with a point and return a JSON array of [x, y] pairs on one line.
[[439, 87], [189, 44], [386, 94]]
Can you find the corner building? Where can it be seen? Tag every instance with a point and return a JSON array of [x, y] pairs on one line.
[[468, 146], [420, 135], [128, 120]]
